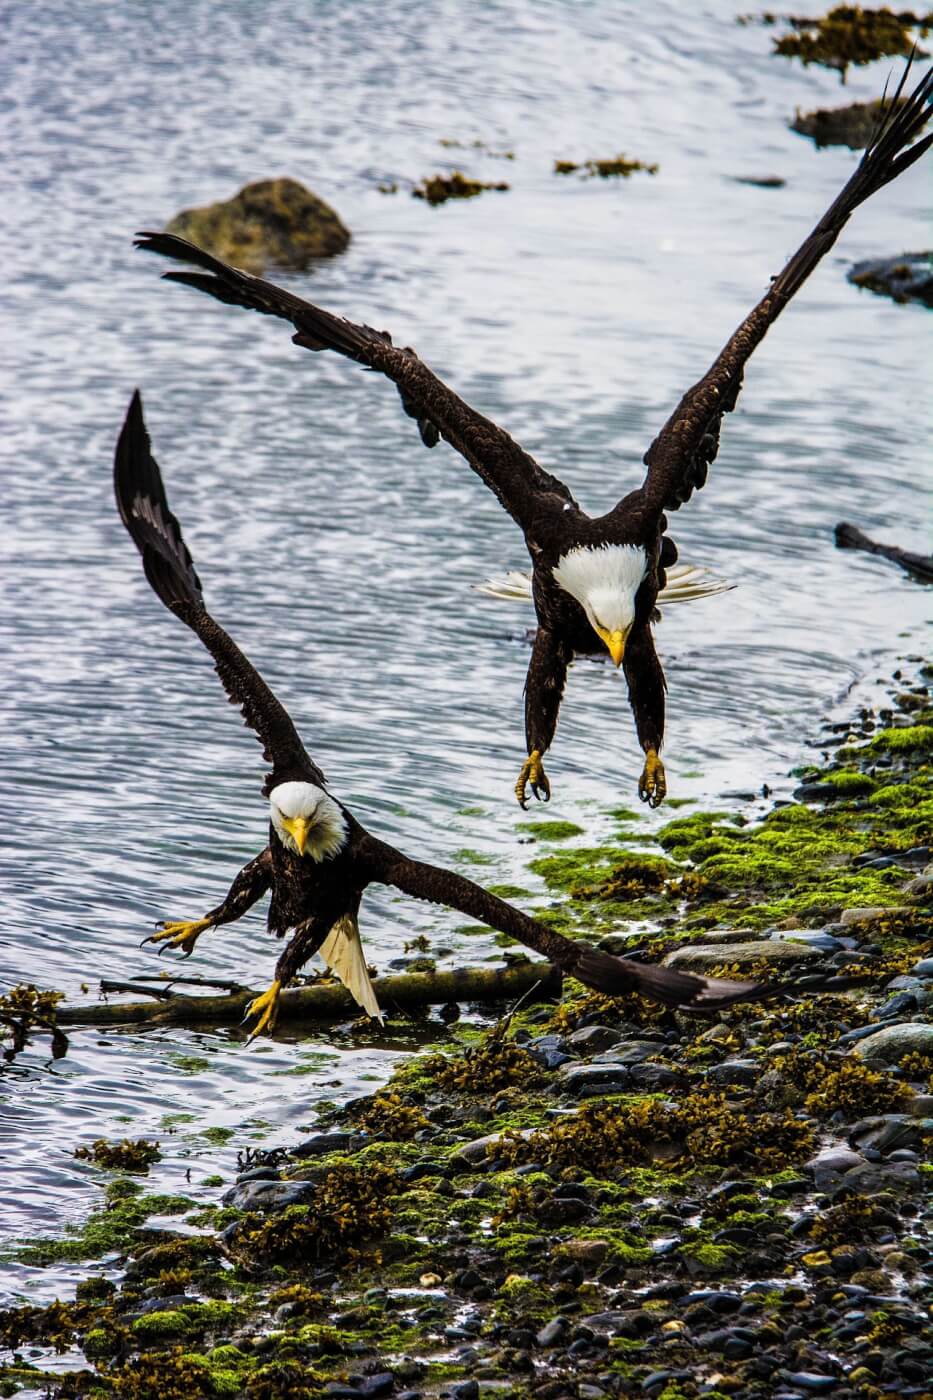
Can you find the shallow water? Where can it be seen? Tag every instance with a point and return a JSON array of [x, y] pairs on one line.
[[341, 554]]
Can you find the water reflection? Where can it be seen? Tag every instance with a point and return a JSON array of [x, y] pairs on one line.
[[342, 555]]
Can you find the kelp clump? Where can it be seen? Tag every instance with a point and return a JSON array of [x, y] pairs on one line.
[[125, 1156], [388, 1116], [437, 189], [620, 165], [494, 1064], [701, 1131], [351, 1205], [833, 1085], [850, 35], [170, 1375], [25, 1010]]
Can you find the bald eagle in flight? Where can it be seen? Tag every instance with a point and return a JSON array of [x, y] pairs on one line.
[[595, 582], [320, 859]]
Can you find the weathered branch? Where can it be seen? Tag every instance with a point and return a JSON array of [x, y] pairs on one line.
[[851, 537], [320, 1001]]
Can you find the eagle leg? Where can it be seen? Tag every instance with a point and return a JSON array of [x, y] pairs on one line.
[[652, 785], [179, 934], [533, 773], [266, 1009]]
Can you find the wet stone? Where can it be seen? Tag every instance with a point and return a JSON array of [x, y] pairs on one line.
[[585, 1081], [886, 1132], [700, 958], [892, 1043], [832, 1163], [260, 1174], [463, 1390], [268, 1195], [651, 1077], [810, 1381], [553, 1332], [904, 1004], [734, 1072], [813, 938], [633, 1052], [322, 1143], [593, 1040]]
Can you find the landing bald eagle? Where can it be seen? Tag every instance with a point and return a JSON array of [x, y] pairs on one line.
[[595, 582], [319, 859]]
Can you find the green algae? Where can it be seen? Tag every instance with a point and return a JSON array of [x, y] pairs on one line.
[[193, 1320], [107, 1231], [220, 1136], [190, 1064], [551, 831], [507, 891]]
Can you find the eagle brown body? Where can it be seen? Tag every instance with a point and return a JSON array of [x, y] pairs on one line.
[[542, 506], [316, 892]]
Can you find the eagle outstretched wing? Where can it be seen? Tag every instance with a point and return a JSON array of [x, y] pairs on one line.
[[514, 476], [157, 535], [680, 456]]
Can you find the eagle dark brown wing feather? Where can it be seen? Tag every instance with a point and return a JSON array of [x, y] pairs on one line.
[[680, 456], [604, 973], [157, 535], [515, 477]]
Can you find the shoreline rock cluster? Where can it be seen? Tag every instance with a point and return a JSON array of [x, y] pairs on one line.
[[592, 1198]]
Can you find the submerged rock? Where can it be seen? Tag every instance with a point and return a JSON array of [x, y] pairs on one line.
[[851, 126], [270, 223], [908, 277]]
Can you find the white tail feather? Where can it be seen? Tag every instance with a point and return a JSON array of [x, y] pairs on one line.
[[342, 950], [684, 582]]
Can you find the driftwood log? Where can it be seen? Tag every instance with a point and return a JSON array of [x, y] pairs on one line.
[[851, 537], [327, 1001]]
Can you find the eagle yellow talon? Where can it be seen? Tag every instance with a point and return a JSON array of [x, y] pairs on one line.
[[266, 1009], [179, 934], [533, 773], [652, 785]]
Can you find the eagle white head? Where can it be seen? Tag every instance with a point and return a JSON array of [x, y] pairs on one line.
[[604, 580], [307, 820]]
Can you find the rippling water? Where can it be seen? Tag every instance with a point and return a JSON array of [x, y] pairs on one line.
[[339, 552]]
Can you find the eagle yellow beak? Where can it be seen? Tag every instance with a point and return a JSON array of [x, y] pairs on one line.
[[298, 829], [615, 644]]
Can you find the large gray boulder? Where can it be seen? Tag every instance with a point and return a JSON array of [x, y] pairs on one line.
[[892, 1043], [699, 957]]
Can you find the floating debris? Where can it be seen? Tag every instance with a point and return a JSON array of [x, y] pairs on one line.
[[616, 165], [437, 189], [454, 145], [125, 1156], [25, 1010]]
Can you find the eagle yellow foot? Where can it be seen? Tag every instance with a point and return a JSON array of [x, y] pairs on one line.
[[652, 785], [533, 773], [179, 935], [266, 1009]]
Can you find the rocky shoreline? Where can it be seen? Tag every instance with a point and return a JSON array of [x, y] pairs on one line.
[[591, 1198]]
